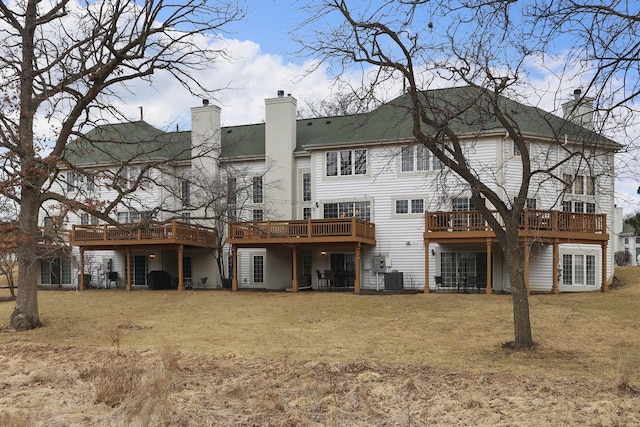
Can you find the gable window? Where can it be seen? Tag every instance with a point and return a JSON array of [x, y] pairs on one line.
[[306, 187], [360, 210], [407, 206], [352, 162], [257, 189], [416, 158]]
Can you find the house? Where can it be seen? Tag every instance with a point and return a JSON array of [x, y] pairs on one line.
[[352, 203]]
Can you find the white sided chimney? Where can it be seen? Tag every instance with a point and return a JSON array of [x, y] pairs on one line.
[[579, 110], [280, 143]]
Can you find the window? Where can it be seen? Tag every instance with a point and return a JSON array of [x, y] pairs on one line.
[[258, 269], [516, 149], [415, 158], [231, 191], [89, 181], [186, 217], [230, 266], [128, 217], [578, 270], [306, 187], [306, 213], [360, 210], [257, 189], [94, 220], [463, 204], [185, 193], [71, 181], [258, 215], [579, 184], [637, 240], [352, 162], [56, 271], [84, 219], [406, 206], [578, 206]]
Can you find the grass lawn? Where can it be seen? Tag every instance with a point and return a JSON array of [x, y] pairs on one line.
[[328, 358]]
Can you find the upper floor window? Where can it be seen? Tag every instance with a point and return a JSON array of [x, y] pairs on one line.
[[407, 206], [578, 206], [186, 217], [579, 184], [306, 187], [350, 162], [416, 158], [71, 181], [463, 204], [529, 203], [516, 149], [306, 213], [258, 215], [360, 210], [185, 192], [231, 191], [257, 189]]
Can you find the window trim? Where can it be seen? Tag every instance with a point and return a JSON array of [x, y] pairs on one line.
[[412, 203], [354, 161]]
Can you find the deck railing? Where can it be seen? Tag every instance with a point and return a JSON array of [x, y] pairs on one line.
[[46, 236], [570, 222], [303, 228], [173, 230]]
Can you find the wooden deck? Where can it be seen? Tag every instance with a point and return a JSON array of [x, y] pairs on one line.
[[338, 230], [135, 234], [47, 238], [468, 226]]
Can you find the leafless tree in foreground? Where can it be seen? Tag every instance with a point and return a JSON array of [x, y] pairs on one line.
[[66, 62], [396, 39]]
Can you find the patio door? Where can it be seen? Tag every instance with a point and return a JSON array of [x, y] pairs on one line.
[[457, 267], [140, 269]]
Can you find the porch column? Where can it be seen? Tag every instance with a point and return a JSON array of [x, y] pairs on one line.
[[527, 249], [605, 285], [426, 267], [556, 259], [82, 284], [489, 272], [234, 262], [128, 268], [180, 267], [356, 282], [294, 281]]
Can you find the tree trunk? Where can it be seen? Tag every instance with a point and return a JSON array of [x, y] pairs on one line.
[[515, 264], [25, 314]]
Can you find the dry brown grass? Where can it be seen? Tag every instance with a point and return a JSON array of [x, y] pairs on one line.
[[343, 357]]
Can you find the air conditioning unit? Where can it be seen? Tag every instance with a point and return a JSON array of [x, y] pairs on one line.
[[393, 281]]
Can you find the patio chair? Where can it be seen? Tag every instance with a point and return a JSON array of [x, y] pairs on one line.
[[322, 281], [112, 277], [438, 280], [328, 275]]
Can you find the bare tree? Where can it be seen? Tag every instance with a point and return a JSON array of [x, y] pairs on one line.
[[394, 40], [65, 62]]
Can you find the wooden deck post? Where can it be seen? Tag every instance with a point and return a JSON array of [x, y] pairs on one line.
[[605, 285], [555, 288], [294, 282], [356, 282], [526, 264], [180, 268], [234, 262], [129, 273], [426, 267], [82, 284], [489, 272]]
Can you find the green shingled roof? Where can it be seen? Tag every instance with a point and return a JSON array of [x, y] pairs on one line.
[[126, 142], [389, 122]]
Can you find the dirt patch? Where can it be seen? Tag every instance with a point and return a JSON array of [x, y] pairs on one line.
[[59, 386]]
